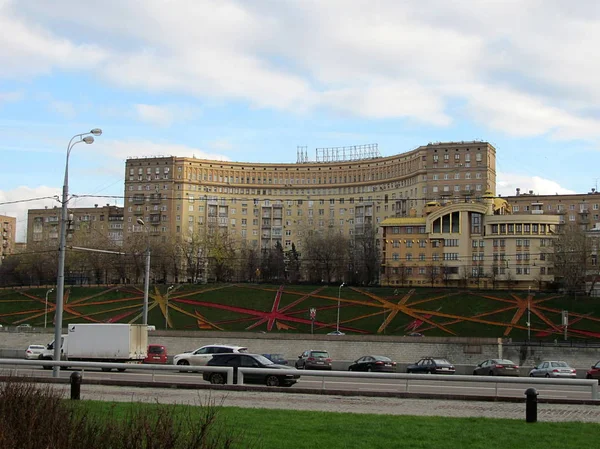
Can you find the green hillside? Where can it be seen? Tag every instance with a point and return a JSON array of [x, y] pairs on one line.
[[273, 308]]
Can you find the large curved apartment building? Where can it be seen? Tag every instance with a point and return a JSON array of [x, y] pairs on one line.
[[265, 203]]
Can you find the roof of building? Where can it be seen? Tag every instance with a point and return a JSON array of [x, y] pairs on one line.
[[403, 220]]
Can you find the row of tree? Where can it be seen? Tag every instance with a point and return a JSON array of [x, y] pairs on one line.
[[198, 258]]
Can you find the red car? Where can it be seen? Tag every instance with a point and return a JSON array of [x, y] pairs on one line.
[[156, 354], [594, 373]]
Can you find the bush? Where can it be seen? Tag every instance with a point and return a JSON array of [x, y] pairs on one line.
[[36, 417]]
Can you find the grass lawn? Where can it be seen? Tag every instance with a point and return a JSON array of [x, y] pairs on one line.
[[281, 429]]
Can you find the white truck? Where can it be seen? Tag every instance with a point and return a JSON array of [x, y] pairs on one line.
[[116, 343]]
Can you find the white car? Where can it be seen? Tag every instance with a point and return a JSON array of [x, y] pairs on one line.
[[33, 352], [201, 356]]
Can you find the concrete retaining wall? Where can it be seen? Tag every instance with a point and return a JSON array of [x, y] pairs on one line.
[[464, 352]]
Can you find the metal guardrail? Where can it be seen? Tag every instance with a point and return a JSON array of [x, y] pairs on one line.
[[590, 383]]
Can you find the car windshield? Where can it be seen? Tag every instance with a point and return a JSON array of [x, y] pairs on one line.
[[262, 359], [319, 354], [36, 347], [155, 349], [243, 350], [504, 362], [441, 362], [277, 356], [382, 358], [560, 365]]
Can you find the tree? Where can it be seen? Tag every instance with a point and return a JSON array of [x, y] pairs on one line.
[[570, 257], [433, 273], [292, 264], [365, 254], [325, 255]]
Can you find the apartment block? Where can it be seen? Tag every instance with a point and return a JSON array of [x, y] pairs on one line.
[[582, 210], [262, 204], [101, 224]]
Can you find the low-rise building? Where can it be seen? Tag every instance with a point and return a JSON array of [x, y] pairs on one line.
[[470, 243], [9, 229]]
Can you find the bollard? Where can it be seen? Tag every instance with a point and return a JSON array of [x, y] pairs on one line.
[[531, 405], [75, 385]]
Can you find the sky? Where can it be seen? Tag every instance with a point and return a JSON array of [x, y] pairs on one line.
[[239, 80]]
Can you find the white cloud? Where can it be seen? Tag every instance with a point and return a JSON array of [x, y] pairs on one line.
[[64, 108], [507, 184], [525, 68], [156, 115], [164, 115], [123, 149], [6, 97]]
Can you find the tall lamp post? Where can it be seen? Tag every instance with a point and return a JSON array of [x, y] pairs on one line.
[[60, 284], [171, 287], [337, 325], [529, 314], [46, 312], [146, 274]]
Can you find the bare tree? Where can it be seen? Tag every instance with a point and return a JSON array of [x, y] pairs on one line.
[[325, 255], [433, 273], [570, 256]]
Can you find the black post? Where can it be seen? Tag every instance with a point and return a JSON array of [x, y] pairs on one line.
[[531, 405], [75, 385]]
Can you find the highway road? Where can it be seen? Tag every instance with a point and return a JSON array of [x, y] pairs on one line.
[[416, 384]]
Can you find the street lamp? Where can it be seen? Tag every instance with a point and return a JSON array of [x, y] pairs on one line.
[[529, 314], [167, 307], [46, 312], [60, 284], [147, 273], [337, 326]]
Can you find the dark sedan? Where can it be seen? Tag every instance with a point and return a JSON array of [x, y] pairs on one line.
[[377, 363], [279, 359], [431, 365], [594, 373], [496, 367], [282, 375]]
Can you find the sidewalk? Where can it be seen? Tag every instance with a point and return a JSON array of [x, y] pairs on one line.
[[342, 404]]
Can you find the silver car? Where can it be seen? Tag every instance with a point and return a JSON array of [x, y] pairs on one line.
[[553, 368]]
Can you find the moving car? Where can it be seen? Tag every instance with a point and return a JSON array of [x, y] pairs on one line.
[[33, 352], [23, 327], [283, 376], [594, 373], [496, 367], [314, 359], [156, 354], [553, 368], [336, 333], [376, 363], [431, 365], [278, 359], [201, 356]]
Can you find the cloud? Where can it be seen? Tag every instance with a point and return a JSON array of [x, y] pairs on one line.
[[66, 109], [522, 68], [163, 115], [507, 184], [6, 97], [123, 149]]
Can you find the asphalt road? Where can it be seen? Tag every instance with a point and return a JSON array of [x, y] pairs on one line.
[[417, 383]]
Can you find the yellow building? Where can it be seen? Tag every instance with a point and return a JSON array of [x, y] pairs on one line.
[[469, 243], [9, 229], [262, 204]]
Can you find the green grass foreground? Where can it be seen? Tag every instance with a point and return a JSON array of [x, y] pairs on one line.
[[282, 429]]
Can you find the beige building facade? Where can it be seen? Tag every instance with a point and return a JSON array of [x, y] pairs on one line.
[[580, 209], [102, 225], [262, 204], [470, 243], [9, 229]]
